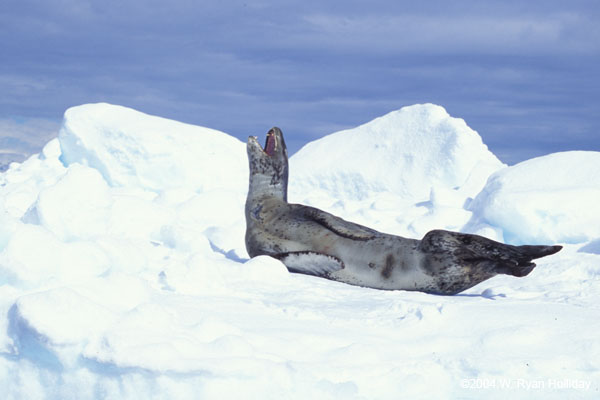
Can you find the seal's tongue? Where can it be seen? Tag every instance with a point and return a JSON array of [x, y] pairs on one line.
[[270, 144]]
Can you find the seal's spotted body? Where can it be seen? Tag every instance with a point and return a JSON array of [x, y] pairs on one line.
[[312, 241]]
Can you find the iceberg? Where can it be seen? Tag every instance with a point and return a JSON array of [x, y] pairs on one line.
[[130, 148], [406, 152]]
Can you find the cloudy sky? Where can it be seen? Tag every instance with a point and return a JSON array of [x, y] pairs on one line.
[[524, 74]]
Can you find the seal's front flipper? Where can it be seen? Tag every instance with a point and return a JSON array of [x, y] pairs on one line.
[[337, 225], [310, 263]]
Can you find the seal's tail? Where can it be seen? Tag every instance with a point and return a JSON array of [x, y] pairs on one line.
[[476, 250]]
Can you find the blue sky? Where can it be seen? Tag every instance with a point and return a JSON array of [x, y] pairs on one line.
[[524, 74]]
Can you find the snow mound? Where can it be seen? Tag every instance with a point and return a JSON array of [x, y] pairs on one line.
[[406, 152], [131, 148], [123, 272], [549, 199], [79, 214]]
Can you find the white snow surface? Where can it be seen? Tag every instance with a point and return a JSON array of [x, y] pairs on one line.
[[123, 272], [554, 198], [130, 148], [417, 158], [407, 153]]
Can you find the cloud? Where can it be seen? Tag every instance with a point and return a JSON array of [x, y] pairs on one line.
[[435, 34], [311, 67]]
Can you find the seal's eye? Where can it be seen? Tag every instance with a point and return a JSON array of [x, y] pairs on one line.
[[270, 144]]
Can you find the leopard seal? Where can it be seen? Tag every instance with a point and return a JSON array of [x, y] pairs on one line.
[[311, 241]]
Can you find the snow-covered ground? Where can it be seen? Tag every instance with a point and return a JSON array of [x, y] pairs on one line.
[[123, 273]]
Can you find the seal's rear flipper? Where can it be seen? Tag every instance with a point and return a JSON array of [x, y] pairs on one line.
[[523, 257], [533, 252], [518, 270], [310, 262], [485, 255]]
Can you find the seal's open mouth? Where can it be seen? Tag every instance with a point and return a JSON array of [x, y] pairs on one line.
[[270, 143]]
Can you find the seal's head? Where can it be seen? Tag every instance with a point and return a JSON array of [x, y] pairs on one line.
[[268, 165]]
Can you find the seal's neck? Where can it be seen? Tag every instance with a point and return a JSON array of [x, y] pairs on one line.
[[267, 186]]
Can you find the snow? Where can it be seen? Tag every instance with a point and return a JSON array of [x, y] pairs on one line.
[[123, 272], [554, 198], [130, 148], [418, 158]]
